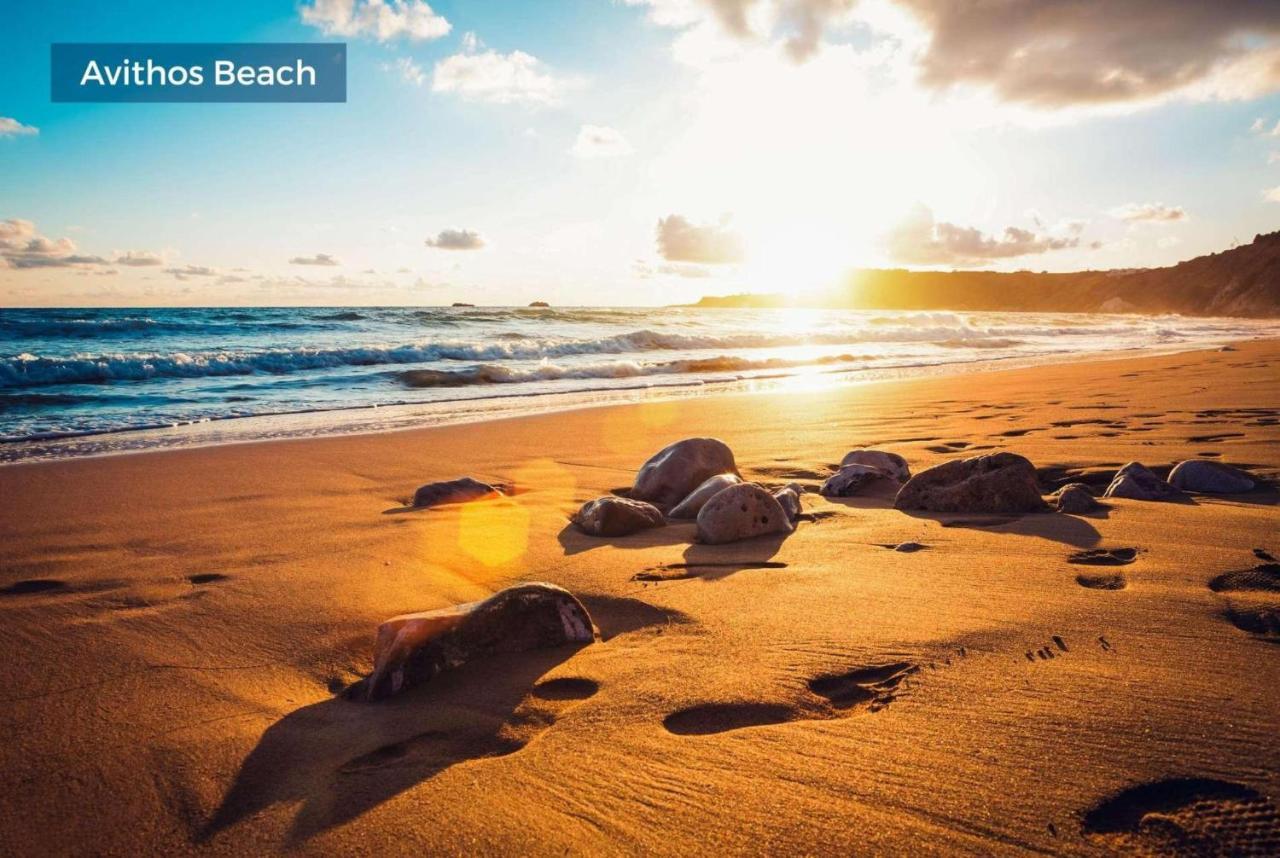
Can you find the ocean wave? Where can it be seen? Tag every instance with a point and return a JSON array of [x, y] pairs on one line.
[[501, 374]]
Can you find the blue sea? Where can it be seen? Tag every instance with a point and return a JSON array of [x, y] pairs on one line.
[[77, 381]]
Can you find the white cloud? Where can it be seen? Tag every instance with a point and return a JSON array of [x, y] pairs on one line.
[[490, 76], [710, 244], [21, 246], [318, 259], [383, 20], [138, 259], [410, 71], [920, 240], [598, 141], [200, 271], [1272, 195], [456, 239], [1148, 213], [13, 128]]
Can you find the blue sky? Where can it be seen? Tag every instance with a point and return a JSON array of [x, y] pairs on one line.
[[646, 151]]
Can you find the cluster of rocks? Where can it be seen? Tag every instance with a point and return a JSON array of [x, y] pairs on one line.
[[1138, 482], [698, 479]]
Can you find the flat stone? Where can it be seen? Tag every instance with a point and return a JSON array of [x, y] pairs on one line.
[[741, 512], [854, 479], [998, 483], [453, 491], [692, 505], [615, 516], [1136, 481], [676, 470], [1197, 475], [890, 463], [412, 648]]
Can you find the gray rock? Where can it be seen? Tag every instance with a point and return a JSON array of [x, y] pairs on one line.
[[1197, 475], [676, 470], [741, 512], [853, 480], [691, 505], [1074, 499], [453, 491], [1136, 481], [788, 497], [614, 516], [411, 649], [998, 482], [890, 463]]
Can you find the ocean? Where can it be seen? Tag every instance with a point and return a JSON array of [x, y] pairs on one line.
[[75, 382]]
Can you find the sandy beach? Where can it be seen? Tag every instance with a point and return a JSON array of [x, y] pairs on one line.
[[177, 627]]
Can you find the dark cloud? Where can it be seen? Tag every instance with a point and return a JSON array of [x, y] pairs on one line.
[[920, 240], [193, 271], [318, 259], [712, 244], [456, 239], [138, 258]]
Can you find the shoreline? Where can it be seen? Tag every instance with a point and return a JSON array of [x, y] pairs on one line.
[[407, 416]]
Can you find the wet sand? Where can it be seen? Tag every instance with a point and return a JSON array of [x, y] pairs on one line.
[[176, 626]]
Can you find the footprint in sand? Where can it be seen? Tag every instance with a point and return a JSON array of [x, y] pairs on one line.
[[1264, 577], [829, 696], [34, 585], [534, 716], [1246, 612], [1104, 557], [1186, 816], [1055, 648], [1102, 580]]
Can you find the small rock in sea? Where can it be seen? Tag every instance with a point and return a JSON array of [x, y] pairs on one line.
[[691, 505], [412, 648], [1197, 475], [1227, 349], [614, 516], [852, 479], [677, 469], [997, 482], [890, 463], [741, 512], [1074, 499], [541, 305], [788, 497], [453, 491], [1136, 481]]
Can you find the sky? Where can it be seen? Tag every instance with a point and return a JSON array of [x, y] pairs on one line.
[[640, 151]]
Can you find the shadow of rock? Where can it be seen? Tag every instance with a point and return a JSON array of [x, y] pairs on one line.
[[338, 759], [574, 541], [1054, 526], [720, 561]]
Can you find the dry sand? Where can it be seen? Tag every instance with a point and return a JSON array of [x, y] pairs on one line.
[[169, 678]]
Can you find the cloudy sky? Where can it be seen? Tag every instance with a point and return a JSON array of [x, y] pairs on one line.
[[641, 151]]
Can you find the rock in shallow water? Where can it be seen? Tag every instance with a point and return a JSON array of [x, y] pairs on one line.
[[890, 463], [676, 470], [411, 649], [692, 505], [614, 516], [1074, 499], [741, 512], [1136, 481], [854, 479], [998, 482], [453, 491], [1197, 475]]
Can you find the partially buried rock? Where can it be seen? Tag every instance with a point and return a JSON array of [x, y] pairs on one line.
[[998, 482], [1074, 499], [614, 516], [692, 505], [411, 649], [453, 491], [855, 479], [676, 470], [1136, 481], [741, 512], [890, 463], [788, 497], [1197, 475]]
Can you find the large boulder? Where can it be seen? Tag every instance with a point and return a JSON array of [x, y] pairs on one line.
[[854, 479], [614, 516], [692, 505], [453, 491], [1136, 481], [1198, 475], [998, 482], [741, 512], [890, 463], [676, 470], [1074, 499], [788, 497], [411, 649]]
